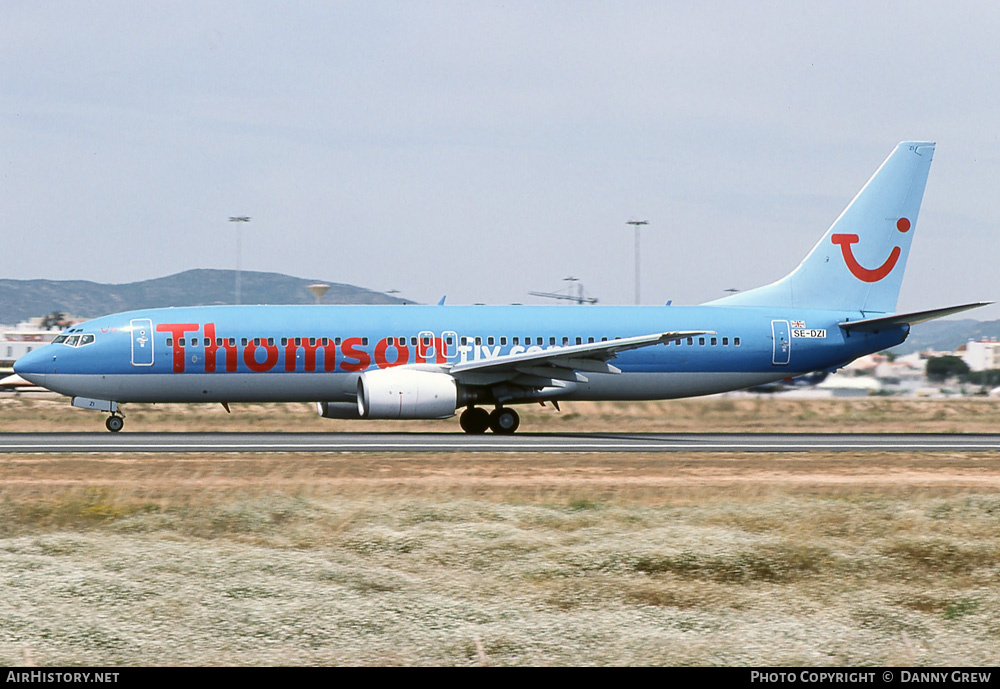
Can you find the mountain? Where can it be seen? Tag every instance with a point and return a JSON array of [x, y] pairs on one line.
[[22, 299]]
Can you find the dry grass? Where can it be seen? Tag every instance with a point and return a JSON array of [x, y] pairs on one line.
[[738, 412], [800, 559]]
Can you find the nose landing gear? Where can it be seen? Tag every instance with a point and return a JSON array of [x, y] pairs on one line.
[[114, 423]]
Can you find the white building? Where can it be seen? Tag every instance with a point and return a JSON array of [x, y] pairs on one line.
[[982, 355], [18, 340]]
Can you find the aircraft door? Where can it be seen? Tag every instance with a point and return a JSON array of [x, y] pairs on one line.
[[782, 352], [142, 342]]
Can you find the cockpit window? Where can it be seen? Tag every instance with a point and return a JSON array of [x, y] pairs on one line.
[[74, 340]]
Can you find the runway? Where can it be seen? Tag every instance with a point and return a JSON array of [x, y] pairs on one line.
[[521, 443]]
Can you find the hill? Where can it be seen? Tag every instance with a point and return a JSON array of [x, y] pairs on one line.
[[947, 335], [22, 299]]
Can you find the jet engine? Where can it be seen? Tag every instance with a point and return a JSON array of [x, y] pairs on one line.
[[401, 393], [338, 410]]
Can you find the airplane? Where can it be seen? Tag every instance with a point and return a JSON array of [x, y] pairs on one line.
[[430, 362]]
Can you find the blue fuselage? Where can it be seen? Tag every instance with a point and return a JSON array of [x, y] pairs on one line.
[[316, 353]]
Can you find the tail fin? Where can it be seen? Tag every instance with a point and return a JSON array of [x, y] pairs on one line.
[[858, 264]]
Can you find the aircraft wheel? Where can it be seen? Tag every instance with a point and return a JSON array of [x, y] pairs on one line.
[[114, 423], [474, 420], [504, 421]]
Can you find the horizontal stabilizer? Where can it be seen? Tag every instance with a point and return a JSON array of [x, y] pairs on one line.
[[876, 324]]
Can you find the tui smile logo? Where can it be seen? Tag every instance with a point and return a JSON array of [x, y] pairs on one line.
[[858, 270]]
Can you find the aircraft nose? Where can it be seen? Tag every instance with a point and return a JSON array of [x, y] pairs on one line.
[[34, 365]]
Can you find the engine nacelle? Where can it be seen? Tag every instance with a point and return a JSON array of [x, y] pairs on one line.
[[400, 393], [338, 410]]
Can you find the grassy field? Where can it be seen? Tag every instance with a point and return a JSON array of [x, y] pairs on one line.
[[746, 413], [510, 559]]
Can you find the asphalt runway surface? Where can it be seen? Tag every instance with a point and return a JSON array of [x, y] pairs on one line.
[[104, 442]]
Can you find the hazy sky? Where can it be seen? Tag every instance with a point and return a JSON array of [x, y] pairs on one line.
[[482, 150]]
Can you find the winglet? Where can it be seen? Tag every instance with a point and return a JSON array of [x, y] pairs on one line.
[[441, 301]]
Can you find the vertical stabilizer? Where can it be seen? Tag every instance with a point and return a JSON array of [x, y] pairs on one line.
[[858, 264]]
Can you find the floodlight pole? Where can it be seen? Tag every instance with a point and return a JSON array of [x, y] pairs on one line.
[[637, 224], [239, 251]]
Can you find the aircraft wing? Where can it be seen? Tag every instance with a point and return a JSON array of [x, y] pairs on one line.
[[567, 363]]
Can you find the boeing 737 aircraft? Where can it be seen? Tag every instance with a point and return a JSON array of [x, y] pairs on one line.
[[427, 362]]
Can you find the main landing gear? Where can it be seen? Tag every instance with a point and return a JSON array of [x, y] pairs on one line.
[[114, 423], [501, 420]]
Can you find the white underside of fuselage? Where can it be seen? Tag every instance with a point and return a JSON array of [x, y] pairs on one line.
[[342, 387]]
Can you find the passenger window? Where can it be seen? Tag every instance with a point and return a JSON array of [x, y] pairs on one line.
[[170, 342], [218, 342], [690, 341], [390, 341], [714, 341], [701, 341], [364, 341], [552, 341], [503, 340], [590, 340], [232, 341], [725, 342], [736, 341], [180, 342], [479, 340], [489, 340], [336, 341], [243, 341]]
